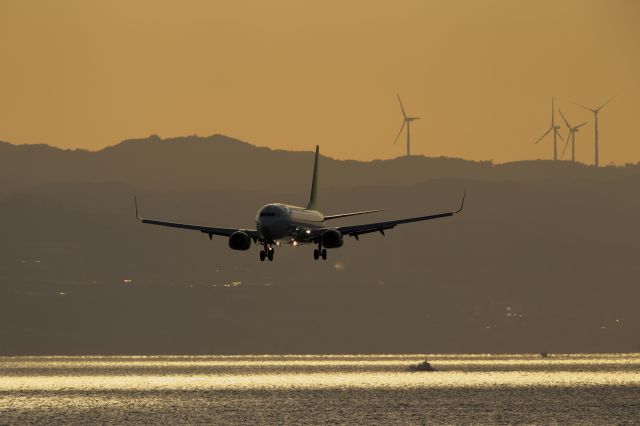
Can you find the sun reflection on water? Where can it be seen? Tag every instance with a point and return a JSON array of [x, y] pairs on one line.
[[312, 371], [364, 389]]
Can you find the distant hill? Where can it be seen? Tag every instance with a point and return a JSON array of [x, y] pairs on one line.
[[219, 162], [543, 258]]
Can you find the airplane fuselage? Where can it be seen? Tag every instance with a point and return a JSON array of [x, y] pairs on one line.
[[286, 224]]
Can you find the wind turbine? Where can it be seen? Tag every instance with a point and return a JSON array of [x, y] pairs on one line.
[[595, 112], [407, 121], [570, 136], [556, 133]]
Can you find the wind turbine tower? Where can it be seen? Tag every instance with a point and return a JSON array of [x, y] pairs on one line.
[[571, 136], [595, 112], [407, 121], [554, 129]]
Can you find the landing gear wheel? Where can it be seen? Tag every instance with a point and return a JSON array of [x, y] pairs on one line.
[[270, 254], [316, 254], [262, 256], [324, 254]]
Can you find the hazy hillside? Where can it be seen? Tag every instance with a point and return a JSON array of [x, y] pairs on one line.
[[544, 256], [222, 163]]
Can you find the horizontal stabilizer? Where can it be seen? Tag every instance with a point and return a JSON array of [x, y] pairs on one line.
[[336, 216]]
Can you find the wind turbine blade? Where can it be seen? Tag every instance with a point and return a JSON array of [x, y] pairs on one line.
[[566, 144], [558, 133], [603, 105], [564, 118], [585, 107], [579, 125], [401, 107], [401, 128], [545, 134]]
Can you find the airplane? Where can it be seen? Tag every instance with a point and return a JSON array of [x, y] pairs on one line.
[[283, 224]]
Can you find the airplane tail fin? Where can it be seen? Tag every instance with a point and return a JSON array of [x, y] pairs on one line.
[[314, 182]]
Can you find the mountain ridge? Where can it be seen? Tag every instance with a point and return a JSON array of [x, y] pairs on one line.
[[219, 162]]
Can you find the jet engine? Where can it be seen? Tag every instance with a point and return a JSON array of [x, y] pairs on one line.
[[239, 241], [332, 239]]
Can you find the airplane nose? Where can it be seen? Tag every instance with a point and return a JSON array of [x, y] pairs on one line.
[[265, 230]]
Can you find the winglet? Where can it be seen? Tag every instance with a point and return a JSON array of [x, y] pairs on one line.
[[464, 195], [135, 202]]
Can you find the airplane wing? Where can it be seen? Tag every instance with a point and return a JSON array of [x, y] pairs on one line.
[[356, 230], [253, 234]]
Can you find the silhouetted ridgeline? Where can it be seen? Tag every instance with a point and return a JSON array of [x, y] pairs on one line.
[[544, 256], [219, 162]]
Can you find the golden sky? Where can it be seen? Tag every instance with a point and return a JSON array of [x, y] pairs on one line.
[[293, 73]]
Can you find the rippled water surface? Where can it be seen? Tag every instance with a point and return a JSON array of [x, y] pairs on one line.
[[357, 389]]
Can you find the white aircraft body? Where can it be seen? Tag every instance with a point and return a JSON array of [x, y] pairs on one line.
[[278, 224]]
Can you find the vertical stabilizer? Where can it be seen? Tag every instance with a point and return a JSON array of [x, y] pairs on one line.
[[314, 182]]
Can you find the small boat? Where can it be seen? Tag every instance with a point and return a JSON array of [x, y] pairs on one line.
[[422, 366], [544, 354]]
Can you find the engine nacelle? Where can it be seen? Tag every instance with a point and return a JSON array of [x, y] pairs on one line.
[[332, 239], [239, 241]]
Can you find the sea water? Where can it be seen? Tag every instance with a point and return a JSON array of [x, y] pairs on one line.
[[319, 389]]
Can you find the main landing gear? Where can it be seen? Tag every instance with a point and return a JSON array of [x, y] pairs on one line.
[[320, 252], [267, 253]]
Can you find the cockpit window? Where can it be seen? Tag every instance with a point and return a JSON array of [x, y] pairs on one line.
[[263, 214]]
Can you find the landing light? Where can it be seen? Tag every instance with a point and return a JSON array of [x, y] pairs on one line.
[[295, 243], [308, 231]]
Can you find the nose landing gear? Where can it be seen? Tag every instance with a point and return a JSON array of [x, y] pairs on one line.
[[267, 253]]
